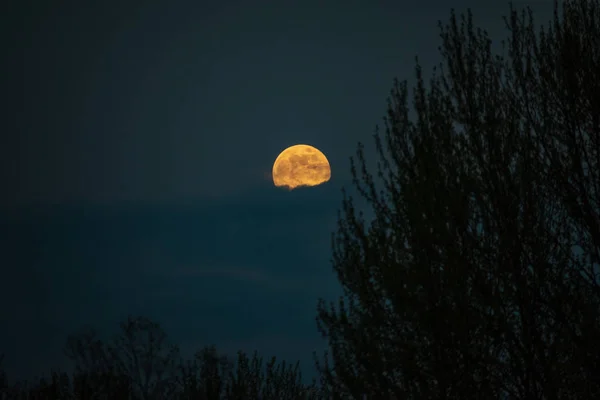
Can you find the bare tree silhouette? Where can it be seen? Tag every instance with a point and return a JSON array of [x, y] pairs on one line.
[[138, 359], [477, 278], [140, 364]]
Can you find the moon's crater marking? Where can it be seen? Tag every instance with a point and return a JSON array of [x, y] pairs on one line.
[[301, 165]]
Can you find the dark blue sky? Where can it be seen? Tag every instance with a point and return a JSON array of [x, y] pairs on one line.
[[136, 156]]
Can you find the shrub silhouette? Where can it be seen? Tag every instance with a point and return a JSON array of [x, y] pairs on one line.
[[139, 364]]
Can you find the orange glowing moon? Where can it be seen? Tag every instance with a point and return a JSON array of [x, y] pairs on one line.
[[300, 165]]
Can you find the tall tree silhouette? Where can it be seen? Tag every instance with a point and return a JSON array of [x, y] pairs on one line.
[[478, 276]]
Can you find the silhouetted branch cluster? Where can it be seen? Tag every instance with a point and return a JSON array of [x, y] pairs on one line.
[[139, 364], [477, 278]]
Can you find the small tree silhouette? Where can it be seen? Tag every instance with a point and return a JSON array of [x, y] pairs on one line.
[[138, 360], [140, 364]]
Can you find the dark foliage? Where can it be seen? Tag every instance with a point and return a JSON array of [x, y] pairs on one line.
[[477, 277]]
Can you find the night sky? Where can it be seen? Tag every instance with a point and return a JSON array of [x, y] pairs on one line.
[[136, 151]]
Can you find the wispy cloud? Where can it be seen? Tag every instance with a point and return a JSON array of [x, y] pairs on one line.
[[255, 276], [237, 273]]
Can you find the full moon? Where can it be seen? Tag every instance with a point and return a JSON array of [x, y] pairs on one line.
[[301, 165]]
